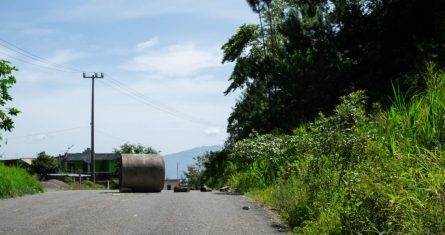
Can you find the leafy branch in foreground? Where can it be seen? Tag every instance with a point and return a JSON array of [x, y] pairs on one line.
[[7, 79]]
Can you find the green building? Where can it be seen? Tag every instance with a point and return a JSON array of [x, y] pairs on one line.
[[81, 163]]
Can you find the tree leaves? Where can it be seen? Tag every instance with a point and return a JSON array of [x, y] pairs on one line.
[[6, 82], [303, 55], [128, 148], [239, 42], [43, 165]]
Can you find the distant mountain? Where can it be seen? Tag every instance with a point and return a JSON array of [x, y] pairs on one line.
[[183, 159]]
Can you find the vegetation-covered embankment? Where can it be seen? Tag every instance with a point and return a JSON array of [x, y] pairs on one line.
[[17, 182], [358, 167], [359, 170]]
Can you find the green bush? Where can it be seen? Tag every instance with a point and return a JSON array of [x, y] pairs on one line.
[[68, 179], [43, 165], [17, 182], [114, 184]]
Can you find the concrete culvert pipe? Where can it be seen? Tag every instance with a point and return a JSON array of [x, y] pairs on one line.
[[142, 172]]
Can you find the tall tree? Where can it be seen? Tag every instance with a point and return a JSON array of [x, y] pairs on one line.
[[304, 54]]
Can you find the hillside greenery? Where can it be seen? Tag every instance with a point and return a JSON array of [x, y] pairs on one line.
[[358, 170], [17, 182], [340, 124], [303, 55]]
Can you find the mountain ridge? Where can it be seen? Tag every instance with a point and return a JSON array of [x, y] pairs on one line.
[[181, 160]]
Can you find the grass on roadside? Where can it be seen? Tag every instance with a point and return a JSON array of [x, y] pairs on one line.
[[86, 185], [355, 171], [17, 182]]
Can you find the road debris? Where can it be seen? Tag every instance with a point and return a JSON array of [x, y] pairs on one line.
[[180, 189], [204, 188]]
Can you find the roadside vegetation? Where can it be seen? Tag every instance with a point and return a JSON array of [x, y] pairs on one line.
[[355, 171], [43, 165], [340, 124], [17, 182], [86, 185]]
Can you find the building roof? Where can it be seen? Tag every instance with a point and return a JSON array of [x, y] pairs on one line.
[[70, 175], [86, 157], [172, 180], [25, 160]]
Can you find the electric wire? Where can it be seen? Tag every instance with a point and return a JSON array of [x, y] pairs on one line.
[[110, 135], [158, 103], [48, 132], [35, 64], [111, 82], [141, 100], [155, 104], [30, 55]]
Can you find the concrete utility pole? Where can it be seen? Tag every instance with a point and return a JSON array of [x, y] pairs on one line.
[[93, 158]]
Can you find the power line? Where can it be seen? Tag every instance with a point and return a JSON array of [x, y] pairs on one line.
[[35, 64], [158, 105], [152, 104], [110, 135], [112, 83], [30, 55], [134, 96], [47, 133]]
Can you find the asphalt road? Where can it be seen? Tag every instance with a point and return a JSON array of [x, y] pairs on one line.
[[110, 212]]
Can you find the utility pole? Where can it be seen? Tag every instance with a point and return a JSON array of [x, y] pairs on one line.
[[93, 158]]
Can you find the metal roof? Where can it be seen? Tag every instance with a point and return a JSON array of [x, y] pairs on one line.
[[27, 160], [69, 174], [86, 157]]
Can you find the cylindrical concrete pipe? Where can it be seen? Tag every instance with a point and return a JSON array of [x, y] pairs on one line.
[[142, 172]]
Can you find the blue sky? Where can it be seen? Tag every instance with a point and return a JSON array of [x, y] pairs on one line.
[[163, 83]]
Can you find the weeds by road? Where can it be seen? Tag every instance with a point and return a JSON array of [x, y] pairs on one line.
[[17, 182], [358, 170]]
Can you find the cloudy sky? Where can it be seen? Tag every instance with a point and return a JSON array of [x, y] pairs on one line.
[[161, 60]]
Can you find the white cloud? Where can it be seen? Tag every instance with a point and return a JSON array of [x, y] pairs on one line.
[[64, 56], [176, 60], [32, 69], [148, 44], [213, 131]]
